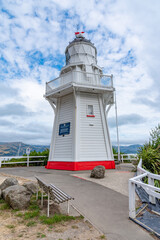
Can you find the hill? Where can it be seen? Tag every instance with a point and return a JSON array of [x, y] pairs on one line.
[[13, 148], [18, 148], [129, 149]]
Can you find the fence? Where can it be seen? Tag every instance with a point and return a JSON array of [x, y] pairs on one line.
[[6, 160], [80, 78], [126, 157], [154, 192]]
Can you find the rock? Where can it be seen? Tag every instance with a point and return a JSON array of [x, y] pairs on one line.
[[98, 172], [8, 182], [18, 197], [30, 186]]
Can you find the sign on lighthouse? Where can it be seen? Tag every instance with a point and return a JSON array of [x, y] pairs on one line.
[[81, 97]]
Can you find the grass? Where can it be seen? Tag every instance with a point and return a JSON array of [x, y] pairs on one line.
[[80, 217], [31, 224], [4, 206], [33, 206], [56, 219], [20, 235], [2, 201], [102, 237], [19, 214], [40, 235], [10, 226], [32, 214], [15, 210], [43, 236], [74, 227]]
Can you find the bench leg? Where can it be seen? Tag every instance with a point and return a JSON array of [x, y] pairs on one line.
[[42, 198], [37, 195], [68, 207], [48, 205]]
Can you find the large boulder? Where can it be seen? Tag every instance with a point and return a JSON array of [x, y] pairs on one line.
[[98, 172], [8, 182], [18, 197], [30, 186]]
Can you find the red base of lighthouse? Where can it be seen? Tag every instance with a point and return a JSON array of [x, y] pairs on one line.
[[79, 166]]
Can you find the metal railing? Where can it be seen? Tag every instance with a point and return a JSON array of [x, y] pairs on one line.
[[80, 78], [127, 157], [6, 160], [153, 192]]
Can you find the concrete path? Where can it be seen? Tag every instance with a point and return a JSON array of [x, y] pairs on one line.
[[105, 208]]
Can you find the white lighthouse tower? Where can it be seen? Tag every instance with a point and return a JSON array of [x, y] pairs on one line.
[[81, 97]]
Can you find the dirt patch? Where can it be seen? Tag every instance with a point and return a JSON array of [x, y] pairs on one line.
[[14, 225]]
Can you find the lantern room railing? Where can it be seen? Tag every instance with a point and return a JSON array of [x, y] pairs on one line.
[[80, 78]]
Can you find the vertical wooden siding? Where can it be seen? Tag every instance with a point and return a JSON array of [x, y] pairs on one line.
[[92, 142], [63, 149]]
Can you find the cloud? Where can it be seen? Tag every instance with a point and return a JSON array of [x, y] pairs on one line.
[[14, 109], [131, 119], [6, 123], [34, 35]]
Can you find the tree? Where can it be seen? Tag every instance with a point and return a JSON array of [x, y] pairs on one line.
[[155, 137]]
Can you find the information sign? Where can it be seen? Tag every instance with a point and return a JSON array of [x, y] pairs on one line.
[[64, 128]]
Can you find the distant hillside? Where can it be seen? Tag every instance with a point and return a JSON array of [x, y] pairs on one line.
[[13, 148], [129, 149]]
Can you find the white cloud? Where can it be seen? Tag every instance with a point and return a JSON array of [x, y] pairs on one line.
[[126, 34]]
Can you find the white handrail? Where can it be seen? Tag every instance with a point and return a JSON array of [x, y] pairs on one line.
[[80, 78], [154, 192], [6, 160], [127, 157]]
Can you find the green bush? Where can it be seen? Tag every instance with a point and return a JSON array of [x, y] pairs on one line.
[[32, 153], [150, 153]]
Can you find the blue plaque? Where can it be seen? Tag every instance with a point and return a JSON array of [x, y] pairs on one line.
[[64, 128]]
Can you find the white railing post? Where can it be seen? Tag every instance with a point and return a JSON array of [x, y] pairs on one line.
[[151, 182], [122, 157], [27, 160], [132, 210], [139, 165]]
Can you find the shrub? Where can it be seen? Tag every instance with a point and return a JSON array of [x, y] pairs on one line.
[[150, 153]]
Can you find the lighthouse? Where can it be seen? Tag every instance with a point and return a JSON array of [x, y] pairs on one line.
[[81, 97]]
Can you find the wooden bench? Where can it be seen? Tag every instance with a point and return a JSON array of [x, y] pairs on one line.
[[54, 194]]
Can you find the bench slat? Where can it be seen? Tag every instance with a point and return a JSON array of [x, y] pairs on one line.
[[57, 198], [56, 194], [62, 196], [63, 193]]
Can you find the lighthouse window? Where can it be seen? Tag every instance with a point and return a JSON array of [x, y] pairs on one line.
[[90, 110], [67, 58]]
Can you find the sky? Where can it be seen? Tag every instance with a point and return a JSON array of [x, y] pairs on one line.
[[33, 38]]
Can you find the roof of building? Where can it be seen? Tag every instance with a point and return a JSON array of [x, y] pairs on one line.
[[81, 39]]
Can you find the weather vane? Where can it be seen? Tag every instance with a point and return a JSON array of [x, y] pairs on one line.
[[79, 34]]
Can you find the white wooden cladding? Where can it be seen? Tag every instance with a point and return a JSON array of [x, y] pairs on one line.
[[63, 147], [92, 139], [89, 137]]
